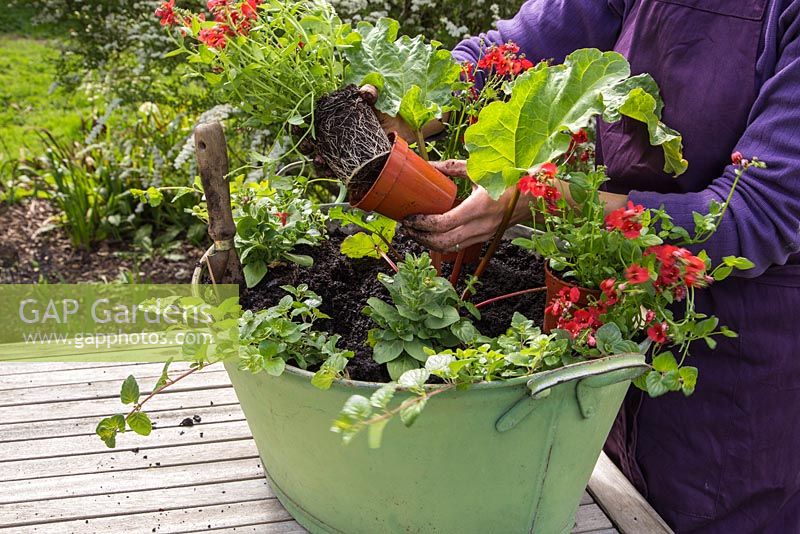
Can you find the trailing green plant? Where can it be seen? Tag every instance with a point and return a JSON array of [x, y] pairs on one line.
[[523, 350], [425, 312], [221, 342], [270, 338]]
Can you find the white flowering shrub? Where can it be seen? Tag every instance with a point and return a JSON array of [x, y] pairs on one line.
[[447, 21]]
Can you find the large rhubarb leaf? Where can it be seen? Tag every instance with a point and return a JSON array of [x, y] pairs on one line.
[[415, 79], [549, 102]]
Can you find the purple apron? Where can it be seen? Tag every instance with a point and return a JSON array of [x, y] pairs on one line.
[[726, 460]]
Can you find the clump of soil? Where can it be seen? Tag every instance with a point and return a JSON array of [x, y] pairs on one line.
[[348, 133], [345, 285], [35, 249]]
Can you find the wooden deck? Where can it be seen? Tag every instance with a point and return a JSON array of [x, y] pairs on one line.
[[56, 476]]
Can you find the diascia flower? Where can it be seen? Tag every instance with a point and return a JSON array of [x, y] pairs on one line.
[[636, 274], [166, 12], [678, 266], [626, 220], [658, 332]]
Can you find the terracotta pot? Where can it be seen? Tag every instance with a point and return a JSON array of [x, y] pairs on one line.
[[554, 285], [407, 185]]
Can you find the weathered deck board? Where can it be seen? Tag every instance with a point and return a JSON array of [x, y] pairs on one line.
[[56, 476], [622, 502]]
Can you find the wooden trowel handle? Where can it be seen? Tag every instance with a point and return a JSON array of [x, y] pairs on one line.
[[212, 163]]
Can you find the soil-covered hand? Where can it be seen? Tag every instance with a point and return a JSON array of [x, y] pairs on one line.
[[473, 221], [370, 95]]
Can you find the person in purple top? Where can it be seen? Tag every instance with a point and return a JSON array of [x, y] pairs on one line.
[[726, 460]]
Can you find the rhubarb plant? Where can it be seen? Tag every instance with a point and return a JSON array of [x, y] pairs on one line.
[[375, 241], [416, 79], [548, 103]]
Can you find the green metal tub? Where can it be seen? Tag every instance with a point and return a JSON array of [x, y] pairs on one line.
[[501, 457]]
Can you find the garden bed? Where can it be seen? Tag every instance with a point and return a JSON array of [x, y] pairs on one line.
[[34, 250], [345, 285]]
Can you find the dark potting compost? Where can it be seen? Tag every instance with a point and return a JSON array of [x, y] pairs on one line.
[[345, 285], [348, 134]]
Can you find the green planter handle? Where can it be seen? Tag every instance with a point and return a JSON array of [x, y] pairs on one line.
[[592, 376]]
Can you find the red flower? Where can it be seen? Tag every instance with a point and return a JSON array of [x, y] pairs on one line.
[[166, 12], [250, 9], [214, 37], [610, 294], [650, 316], [535, 187], [580, 137], [282, 215], [678, 266], [658, 332], [217, 5], [736, 158], [636, 274], [626, 220], [504, 60], [549, 169]]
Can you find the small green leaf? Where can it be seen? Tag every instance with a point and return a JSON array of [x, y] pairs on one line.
[[655, 386], [140, 423], [323, 379], [129, 394], [665, 362], [400, 365], [410, 413], [108, 428], [164, 378], [357, 408], [274, 366], [722, 272], [383, 396], [254, 273], [386, 351], [375, 433], [361, 245], [414, 379], [300, 259], [688, 380]]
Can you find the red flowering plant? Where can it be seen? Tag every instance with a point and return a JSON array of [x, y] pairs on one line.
[[634, 258], [483, 83], [643, 276]]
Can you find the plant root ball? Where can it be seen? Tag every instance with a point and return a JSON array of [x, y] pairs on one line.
[[348, 133]]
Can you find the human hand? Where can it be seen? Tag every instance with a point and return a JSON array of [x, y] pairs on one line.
[[473, 221]]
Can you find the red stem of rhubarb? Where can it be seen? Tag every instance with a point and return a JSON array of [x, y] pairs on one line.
[[392, 264], [457, 268], [510, 295]]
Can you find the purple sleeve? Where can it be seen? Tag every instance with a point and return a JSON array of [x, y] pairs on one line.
[[551, 29], [763, 221]]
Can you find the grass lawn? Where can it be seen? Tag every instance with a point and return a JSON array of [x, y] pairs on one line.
[[28, 99]]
